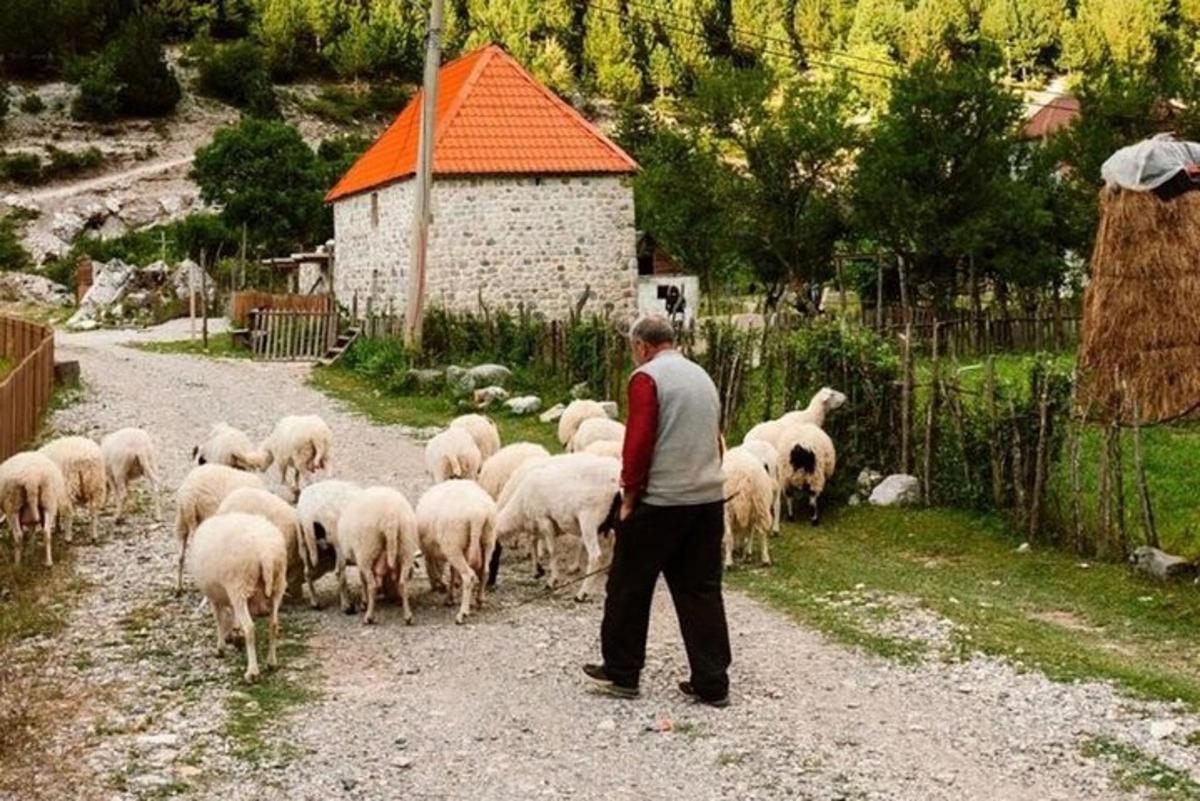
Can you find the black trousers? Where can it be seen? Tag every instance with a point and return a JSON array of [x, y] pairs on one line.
[[683, 543]]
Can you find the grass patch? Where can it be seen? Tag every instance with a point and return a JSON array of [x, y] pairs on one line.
[[1133, 771], [963, 567], [36, 599], [219, 346]]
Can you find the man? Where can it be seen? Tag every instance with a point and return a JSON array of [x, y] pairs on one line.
[[672, 520]]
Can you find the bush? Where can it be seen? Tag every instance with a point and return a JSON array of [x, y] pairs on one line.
[[130, 77], [236, 74], [21, 168], [13, 255], [381, 102], [99, 93], [30, 104], [65, 163], [184, 238]]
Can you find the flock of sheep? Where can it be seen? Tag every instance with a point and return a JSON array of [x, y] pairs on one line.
[[246, 547]]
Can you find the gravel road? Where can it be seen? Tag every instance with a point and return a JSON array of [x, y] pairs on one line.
[[496, 709]]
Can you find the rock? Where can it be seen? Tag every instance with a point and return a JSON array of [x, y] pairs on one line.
[[155, 740], [1161, 565], [868, 480], [25, 204], [611, 409], [44, 246], [113, 204], [1023, 547], [490, 374], [404, 763], [171, 205], [896, 490], [140, 212], [112, 228], [854, 500], [552, 414], [1162, 729], [526, 404], [608, 724], [30, 288], [459, 380], [489, 396], [67, 225], [580, 390], [424, 379]]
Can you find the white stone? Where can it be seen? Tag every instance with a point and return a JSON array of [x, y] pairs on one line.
[[552, 414], [896, 490], [526, 404], [113, 204], [44, 246], [110, 280], [67, 225], [24, 203], [493, 374], [868, 479], [610, 408], [1162, 729], [29, 288], [112, 228]]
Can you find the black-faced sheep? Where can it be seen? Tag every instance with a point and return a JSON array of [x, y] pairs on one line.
[[807, 460]]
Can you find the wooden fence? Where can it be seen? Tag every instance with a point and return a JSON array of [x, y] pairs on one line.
[[961, 333], [281, 335], [245, 302], [28, 349]]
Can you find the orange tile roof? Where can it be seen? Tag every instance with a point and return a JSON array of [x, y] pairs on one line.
[[493, 118], [1059, 113]]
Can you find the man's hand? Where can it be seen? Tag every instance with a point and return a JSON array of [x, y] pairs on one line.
[[627, 505]]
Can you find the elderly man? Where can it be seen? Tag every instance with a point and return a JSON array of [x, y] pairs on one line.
[[672, 521]]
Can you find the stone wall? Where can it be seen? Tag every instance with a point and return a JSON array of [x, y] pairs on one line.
[[536, 241]]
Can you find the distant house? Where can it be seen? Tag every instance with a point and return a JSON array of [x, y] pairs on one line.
[[530, 202], [1053, 116]]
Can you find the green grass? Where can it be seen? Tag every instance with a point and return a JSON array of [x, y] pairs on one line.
[[219, 346], [1135, 771], [37, 599], [1038, 609]]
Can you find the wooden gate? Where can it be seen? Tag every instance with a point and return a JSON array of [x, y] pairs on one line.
[[27, 350], [282, 335]]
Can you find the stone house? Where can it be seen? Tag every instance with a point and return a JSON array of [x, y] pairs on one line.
[[531, 203]]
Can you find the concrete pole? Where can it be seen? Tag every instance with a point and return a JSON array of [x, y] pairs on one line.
[[415, 299]]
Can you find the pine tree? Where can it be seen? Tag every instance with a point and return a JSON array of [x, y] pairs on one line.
[[1023, 29], [1125, 33], [608, 56]]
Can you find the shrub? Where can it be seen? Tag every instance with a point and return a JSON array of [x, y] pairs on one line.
[[236, 74], [30, 104], [184, 238], [381, 101], [4, 101], [21, 168], [64, 163], [130, 77], [99, 93], [13, 255]]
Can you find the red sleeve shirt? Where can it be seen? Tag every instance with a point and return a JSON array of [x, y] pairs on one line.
[[641, 432]]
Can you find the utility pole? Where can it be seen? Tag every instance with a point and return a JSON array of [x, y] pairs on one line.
[[415, 300]]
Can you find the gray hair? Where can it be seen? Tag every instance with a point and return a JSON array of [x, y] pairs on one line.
[[654, 330]]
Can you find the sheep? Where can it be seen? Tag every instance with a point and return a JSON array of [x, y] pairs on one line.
[[230, 446], [750, 492], [502, 465], [32, 491], [81, 463], [128, 455], [606, 447], [596, 429], [239, 564], [452, 454], [301, 443], [319, 508], [456, 521], [569, 494], [260, 502], [769, 457], [199, 497], [576, 412], [823, 402], [767, 431], [807, 458], [482, 430], [377, 533]]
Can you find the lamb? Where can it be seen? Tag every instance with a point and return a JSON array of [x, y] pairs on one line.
[[613, 449], [199, 497], [482, 430], [823, 402], [239, 563], [502, 465], [596, 429], [128, 455], [81, 463], [377, 533], [260, 502], [769, 457], [300, 443], [452, 454], [32, 491], [232, 447], [576, 412], [457, 525], [319, 509], [750, 492], [569, 494], [807, 459]]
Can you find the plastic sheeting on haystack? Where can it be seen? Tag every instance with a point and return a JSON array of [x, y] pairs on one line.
[[1150, 163]]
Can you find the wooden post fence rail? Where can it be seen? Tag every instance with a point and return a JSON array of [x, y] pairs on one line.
[[283, 335], [28, 353], [245, 302]]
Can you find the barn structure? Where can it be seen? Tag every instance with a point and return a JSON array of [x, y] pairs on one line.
[[531, 203]]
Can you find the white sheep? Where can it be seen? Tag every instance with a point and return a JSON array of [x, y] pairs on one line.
[[320, 506], [574, 493], [749, 492], [231, 447], [452, 454], [769, 456], [767, 431], [253, 501], [504, 463], [807, 459], [482, 430], [199, 497], [456, 521], [613, 449], [32, 491], [596, 429], [576, 412], [823, 402], [239, 563], [81, 463], [129, 454], [377, 533], [299, 443]]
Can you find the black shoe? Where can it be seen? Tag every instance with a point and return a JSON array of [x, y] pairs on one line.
[[606, 685], [687, 689]]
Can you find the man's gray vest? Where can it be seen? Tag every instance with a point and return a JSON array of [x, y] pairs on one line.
[[686, 469]]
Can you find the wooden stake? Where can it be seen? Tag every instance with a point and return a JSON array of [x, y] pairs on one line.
[[1018, 466], [1142, 485], [997, 456], [930, 416], [1039, 461]]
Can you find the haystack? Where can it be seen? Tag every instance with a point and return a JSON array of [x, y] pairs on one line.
[[1141, 313]]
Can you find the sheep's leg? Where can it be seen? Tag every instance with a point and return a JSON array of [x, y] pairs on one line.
[[776, 510], [406, 567], [48, 523], [551, 557], [343, 591], [816, 512], [151, 472], [94, 508], [241, 616], [367, 577], [119, 493], [312, 590], [221, 632], [183, 535], [458, 564], [486, 574], [69, 524], [273, 631], [764, 535], [14, 521], [591, 544]]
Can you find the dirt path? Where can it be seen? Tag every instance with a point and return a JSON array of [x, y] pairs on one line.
[[112, 180], [496, 709]]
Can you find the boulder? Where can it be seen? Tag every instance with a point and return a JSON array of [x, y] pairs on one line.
[[610, 408], [67, 225], [25, 204], [581, 390], [45, 246], [552, 414], [112, 228], [898, 489], [526, 404], [459, 380], [868, 480], [1161, 565], [29, 288], [110, 282], [490, 375], [423, 380], [489, 396], [178, 279]]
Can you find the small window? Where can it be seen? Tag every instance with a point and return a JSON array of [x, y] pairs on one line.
[[374, 209]]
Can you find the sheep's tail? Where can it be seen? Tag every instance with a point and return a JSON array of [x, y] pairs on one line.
[[455, 467], [254, 460], [321, 447], [264, 456], [474, 547], [273, 575], [391, 537]]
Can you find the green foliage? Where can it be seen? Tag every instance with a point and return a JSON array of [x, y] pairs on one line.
[[4, 101], [608, 57], [378, 102], [21, 168], [173, 241], [31, 103], [13, 255], [1121, 33], [130, 77], [236, 73], [1025, 30]]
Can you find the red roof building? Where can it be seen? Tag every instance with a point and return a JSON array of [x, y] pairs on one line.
[[1051, 118]]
